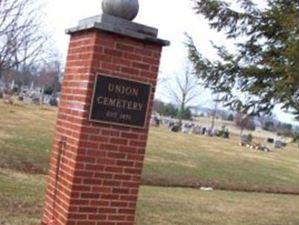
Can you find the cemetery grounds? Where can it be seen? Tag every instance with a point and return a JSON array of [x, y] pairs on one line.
[[250, 187]]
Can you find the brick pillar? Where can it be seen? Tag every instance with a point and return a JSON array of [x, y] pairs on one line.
[[96, 167]]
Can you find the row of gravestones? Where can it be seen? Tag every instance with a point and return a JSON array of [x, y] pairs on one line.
[[246, 140], [189, 128], [30, 97], [277, 143]]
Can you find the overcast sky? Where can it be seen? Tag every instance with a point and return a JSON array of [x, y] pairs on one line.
[[172, 17]]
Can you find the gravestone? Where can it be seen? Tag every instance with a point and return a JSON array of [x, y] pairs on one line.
[[245, 140], [279, 144], [197, 130], [103, 121], [270, 140]]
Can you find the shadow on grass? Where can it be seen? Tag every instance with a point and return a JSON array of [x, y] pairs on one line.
[[191, 182]]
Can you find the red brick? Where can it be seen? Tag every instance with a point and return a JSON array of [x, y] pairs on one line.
[[117, 155], [97, 217], [104, 175], [87, 209], [129, 70], [120, 141], [127, 211], [111, 183], [128, 149], [89, 195], [86, 222], [124, 47], [110, 133], [120, 191], [107, 210], [81, 188], [100, 170], [131, 56], [122, 177], [129, 135], [114, 169], [142, 66], [125, 163], [108, 147], [113, 52], [116, 217], [133, 171], [119, 204], [110, 66]]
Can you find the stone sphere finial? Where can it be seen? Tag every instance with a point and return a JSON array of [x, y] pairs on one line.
[[125, 9]]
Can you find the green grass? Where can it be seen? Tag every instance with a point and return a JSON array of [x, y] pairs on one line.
[[181, 206], [21, 197], [188, 160], [25, 137], [172, 159]]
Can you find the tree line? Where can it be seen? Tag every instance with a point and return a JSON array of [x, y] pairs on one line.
[[27, 54]]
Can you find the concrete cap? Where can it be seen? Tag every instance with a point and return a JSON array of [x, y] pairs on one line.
[[121, 26]]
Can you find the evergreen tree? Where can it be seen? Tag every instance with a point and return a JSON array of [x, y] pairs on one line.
[[265, 70], [230, 117], [184, 114]]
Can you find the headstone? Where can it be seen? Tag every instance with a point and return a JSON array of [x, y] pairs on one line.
[[279, 144], [214, 132], [245, 140], [8, 98], [197, 130], [103, 121], [174, 127], [155, 122], [226, 134], [186, 128], [270, 140]]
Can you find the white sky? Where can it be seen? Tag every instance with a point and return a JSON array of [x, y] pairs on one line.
[[172, 17]]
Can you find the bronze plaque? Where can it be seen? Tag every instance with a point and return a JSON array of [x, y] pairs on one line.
[[120, 101]]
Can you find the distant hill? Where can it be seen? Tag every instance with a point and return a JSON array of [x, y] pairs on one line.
[[206, 111]]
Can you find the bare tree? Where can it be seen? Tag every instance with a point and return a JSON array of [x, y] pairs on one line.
[[56, 66], [183, 91], [21, 38], [244, 121]]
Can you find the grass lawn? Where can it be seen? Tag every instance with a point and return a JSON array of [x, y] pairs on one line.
[[172, 159], [21, 199], [25, 137], [175, 159], [181, 206]]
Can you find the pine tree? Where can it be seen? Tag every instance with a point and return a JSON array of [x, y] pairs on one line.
[[265, 70]]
